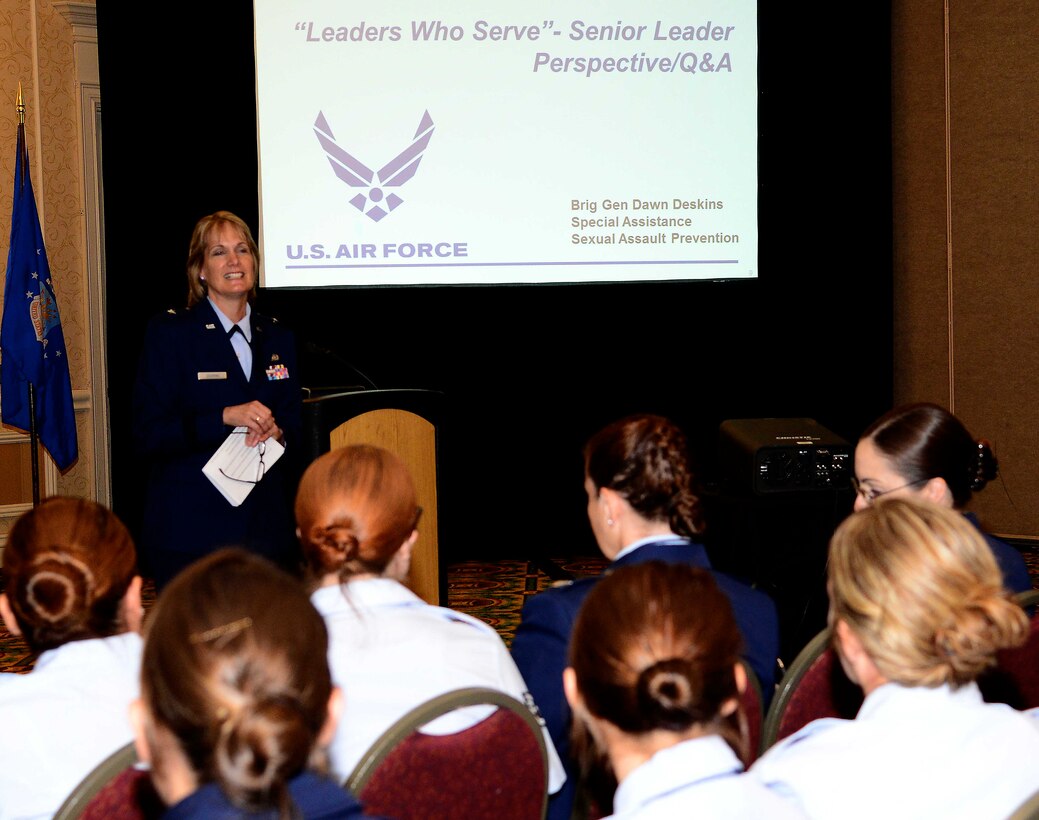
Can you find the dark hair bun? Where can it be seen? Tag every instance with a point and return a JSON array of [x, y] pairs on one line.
[[58, 591], [665, 694]]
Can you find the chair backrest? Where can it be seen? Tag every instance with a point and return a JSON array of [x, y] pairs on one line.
[[1029, 810], [494, 770], [814, 686], [1015, 679], [752, 705], [115, 789]]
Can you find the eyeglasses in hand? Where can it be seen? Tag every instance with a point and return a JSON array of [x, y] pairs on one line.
[[261, 449]]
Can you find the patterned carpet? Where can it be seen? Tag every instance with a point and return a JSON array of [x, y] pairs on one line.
[[493, 592]]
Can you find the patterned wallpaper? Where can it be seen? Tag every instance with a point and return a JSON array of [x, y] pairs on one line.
[[36, 50]]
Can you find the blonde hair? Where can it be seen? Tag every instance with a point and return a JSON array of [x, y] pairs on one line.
[[919, 586], [197, 287]]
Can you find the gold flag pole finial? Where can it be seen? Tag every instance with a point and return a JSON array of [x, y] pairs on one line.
[[19, 106]]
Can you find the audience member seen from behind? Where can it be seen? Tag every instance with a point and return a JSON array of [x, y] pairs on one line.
[[924, 451], [654, 683], [918, 612], [389, 650], [73, 594], [642, 506], [237, 705]]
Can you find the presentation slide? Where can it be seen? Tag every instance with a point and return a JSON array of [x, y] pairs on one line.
[[490, 143]]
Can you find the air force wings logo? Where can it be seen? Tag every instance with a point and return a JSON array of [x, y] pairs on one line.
[[374, 202]]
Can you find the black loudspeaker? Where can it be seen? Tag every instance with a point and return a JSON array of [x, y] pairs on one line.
[[784, 485], [783, 455]]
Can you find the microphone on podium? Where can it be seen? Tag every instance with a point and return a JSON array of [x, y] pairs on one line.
[[325, 353]]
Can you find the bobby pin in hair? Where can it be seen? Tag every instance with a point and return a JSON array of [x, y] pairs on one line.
[[225, 631]]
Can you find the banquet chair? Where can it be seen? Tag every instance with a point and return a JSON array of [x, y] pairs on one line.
[[1029, 810], [117, 788], [814, 686], [1015, 679], [752, 705], [496, 769], [1029, 600]]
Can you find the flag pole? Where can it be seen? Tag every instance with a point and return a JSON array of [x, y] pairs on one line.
[[34, 445], [34, 439]]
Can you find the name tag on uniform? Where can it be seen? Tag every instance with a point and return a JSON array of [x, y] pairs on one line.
[[207, 375]]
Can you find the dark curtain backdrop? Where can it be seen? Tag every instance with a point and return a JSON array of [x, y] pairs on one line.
[[529, 372]]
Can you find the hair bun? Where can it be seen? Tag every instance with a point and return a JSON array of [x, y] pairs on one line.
[[262, 746], [987, 622], [59, 587], [338, 538], [665, 694]]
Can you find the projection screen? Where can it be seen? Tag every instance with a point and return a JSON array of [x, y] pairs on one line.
[[493, 143]]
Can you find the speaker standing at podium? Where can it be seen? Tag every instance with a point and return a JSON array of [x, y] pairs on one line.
[[204, 371]]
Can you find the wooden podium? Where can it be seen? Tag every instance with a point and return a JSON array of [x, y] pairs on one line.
[[405, 422]]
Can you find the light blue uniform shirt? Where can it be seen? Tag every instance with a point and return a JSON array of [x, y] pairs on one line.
[[62, 719], [912, 752], [241, 342], [390, 651], [696, 778]]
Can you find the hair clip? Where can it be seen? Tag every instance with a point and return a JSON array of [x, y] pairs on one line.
[[222, 631]]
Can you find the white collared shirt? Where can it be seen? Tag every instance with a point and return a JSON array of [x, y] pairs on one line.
[[63, 718], [241, 342], [390, 651], [701, 777], [912, 752]]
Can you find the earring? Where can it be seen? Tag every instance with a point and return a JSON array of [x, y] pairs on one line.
[[609, 522], [202, 279]]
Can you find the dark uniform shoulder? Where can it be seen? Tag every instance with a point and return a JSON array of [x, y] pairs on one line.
[[169, 316], [562, 592], [169, 321], [259, 317], [577, 590], [264, 323]]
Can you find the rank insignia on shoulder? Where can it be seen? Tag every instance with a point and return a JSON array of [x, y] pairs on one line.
[[276, 372], [210, 326], [171, 311]]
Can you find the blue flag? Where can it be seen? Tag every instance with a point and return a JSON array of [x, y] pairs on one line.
[[31, 341]]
